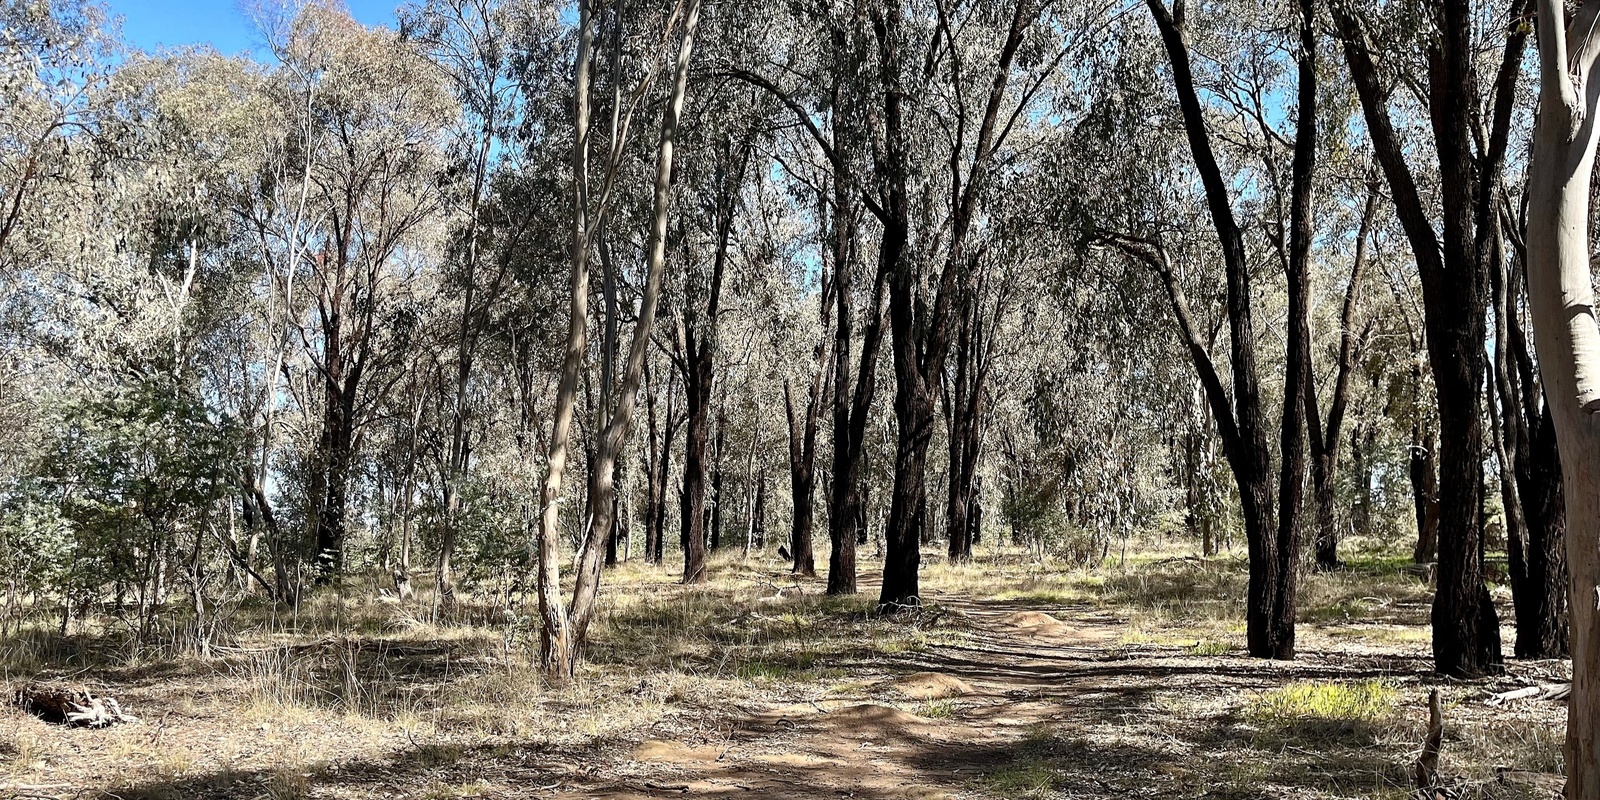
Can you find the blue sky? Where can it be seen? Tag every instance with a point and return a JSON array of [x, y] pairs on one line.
[[148, 24]]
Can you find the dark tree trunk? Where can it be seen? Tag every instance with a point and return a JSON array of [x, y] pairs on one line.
[[1530, 475], [852, 397], [1424, 494], [1453, 261], [920, 306], [653, 483], [1325, 442], [1361, 443], [336, 446], [699, 335], [619, 522], [803, 424], [1272, 534], [913, 411], [975, 513], [692, 532], [1539, 566], [964, 408]]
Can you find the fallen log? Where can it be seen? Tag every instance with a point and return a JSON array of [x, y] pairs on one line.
[[1549, 691], [70, 705]]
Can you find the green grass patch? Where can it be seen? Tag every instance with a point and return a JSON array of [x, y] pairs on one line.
[[1363, 701], [1210, 647], [1028, 777], [1350, 712]]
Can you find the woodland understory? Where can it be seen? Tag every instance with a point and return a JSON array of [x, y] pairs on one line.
[[1020, 678], [887, 398]]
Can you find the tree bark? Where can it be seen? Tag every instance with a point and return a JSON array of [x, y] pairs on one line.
[[1530, 469], [920, 328], [1466, 640], [586, 585], [803, 423], [852, 398], [699, 369], [1273, 538], [1561, 300], [1325, 442], [964, 409], [557, 653], [1424, 493]]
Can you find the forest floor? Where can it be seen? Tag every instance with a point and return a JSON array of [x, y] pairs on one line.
[[1020, 678]]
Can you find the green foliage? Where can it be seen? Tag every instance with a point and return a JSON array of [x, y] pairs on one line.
[[128, 481]]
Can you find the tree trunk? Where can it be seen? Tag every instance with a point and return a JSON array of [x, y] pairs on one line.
[[921, 324], [758, 513], [1539, 581], [852, 391], [1361, 443], [652, 465], [1325, 443], [803, 425], [337, 445], [1451, 259], [557, 653], [1273, 538], [713, 515], [1424, 493], [664, 470], [586, 585], [1561, 299], [699, 332]]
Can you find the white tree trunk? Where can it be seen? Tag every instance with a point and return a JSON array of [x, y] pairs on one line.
[[1561, 302], [556, 645]]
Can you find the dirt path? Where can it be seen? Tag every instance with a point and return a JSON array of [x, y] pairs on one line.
[[1036, 700]]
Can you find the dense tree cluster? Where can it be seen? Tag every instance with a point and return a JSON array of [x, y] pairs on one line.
[[482, 296]]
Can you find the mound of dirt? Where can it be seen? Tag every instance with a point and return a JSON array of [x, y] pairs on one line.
[[932, 686], [1044, 626], [662, 752], [1033, 621]]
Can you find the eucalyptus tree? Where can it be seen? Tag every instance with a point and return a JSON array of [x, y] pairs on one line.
[[1271, 533], [186, 159], [1326, 436], [827, 48], [804, 416], [920, 305], [1470, 136], [563, 630], [468, 42], [1526, 448], [377, 113], [1561, 300], [54, 61], [725, 142]]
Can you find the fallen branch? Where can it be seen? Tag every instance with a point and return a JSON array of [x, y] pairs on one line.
[[1549, 691], [65, 705]]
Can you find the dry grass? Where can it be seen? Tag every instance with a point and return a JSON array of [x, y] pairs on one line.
[[355, 695]]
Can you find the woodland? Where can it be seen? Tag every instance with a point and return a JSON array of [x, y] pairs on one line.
[[821, 398]]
